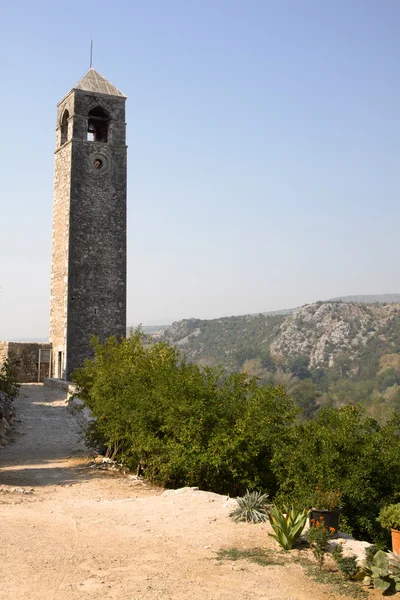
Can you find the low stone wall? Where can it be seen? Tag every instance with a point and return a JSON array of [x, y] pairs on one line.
[[61, 384], [25, 357]]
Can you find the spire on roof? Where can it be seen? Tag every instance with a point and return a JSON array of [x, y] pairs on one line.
[[94, 82]]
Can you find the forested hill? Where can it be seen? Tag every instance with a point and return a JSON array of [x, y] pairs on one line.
[[325, 353]]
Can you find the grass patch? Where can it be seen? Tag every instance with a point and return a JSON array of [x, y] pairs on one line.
[[260, 556], [267, 557], [334, 580]]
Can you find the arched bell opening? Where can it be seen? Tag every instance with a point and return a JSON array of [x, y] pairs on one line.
[[64, 127], [98, 122]]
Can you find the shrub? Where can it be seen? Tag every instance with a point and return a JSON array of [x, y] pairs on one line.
[[326, 499], [183, 424], [8, 382], [337, 552], [389, 516], [343, 449], [250, 508], [318, 536], [346, 564], [287, 524], [370, 552]]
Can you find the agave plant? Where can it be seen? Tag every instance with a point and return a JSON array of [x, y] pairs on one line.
[[250, 508], [287, 525]]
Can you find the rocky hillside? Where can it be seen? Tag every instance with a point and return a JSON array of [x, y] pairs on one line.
[[228, 341], [327, 353], [321, 332]]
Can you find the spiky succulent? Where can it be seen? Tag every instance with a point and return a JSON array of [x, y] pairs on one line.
[[250, 508], [287, 524]]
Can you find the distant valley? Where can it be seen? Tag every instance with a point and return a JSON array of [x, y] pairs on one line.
[[337, 352]]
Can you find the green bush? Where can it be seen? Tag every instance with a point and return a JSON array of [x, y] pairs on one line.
[[8, 382], [389, 517], [318, 536], [326, 499], [370, 552], [183, 424], [347, 564], [343, 449]]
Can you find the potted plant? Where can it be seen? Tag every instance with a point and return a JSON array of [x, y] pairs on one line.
[[389, 518], [326, 508]]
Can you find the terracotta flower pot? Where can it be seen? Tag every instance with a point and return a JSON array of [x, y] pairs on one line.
[[330, 518], [395, 541]]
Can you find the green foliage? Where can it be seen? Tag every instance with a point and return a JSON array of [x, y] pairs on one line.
[[326, 499], [370, 552], [8, 382], [183, 424], [342, 449], [229, 341], [381, 577], [394, 564], [389, 516], [350, 372], [328, 577], [348, 566], [298, 366], [337, 552], [266, 557], [381, 572], [318, 536], [250, 508], [305, 394], [287, 524], [387, 378], [260, 556]]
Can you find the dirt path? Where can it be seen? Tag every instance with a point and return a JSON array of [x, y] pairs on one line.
[[85, 533]]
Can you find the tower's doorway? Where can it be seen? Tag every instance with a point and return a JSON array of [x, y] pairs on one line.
[[59, 365]]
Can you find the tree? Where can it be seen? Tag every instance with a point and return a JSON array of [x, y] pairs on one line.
[[347, 450], [299, 366], [180, 423], [305, 395]]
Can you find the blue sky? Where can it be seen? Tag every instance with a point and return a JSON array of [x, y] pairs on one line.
[[264, 147]]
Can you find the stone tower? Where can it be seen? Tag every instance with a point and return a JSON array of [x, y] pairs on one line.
[[88, 278]]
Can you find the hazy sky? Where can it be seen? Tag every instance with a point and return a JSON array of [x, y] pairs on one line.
[[264, 150]]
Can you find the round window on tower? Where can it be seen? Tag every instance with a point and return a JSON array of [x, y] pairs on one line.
[[98, 164]]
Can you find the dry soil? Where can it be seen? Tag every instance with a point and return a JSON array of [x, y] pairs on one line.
[[69, 530]]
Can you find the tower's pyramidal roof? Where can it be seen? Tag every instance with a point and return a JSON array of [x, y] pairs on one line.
[[94, 82]]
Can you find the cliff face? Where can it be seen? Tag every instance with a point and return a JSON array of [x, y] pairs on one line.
[[322, 330]]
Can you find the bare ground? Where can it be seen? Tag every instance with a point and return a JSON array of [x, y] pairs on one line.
[[84, 533]]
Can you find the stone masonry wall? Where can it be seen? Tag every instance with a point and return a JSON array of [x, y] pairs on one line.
[[24, 357], [88, 294], [97, 278], [60, 239]]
